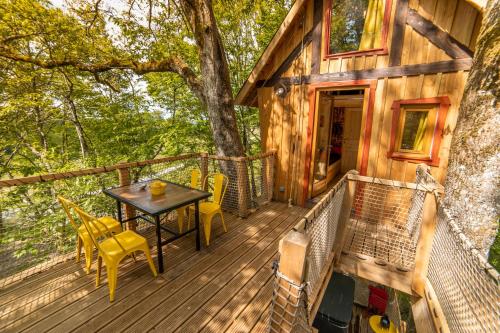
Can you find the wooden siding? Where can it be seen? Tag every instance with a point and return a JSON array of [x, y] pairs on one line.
[[457, 17], [284, 120], [226, 287]]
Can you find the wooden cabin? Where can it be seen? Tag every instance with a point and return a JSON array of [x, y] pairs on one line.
[[371, 85]]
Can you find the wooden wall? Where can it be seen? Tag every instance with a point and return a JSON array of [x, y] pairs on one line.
[[284, 121]]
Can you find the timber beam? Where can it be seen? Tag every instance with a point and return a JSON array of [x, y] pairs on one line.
[[377, 73], [437, 36], [369, 270], [398, 34]]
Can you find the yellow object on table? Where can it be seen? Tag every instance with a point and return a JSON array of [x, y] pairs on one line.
[[157, 187], [375, 326]]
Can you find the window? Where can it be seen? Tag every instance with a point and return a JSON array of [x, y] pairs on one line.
[[356, 26], [417, 127]]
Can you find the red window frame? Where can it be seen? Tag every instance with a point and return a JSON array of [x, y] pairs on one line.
[[443, 104], [385, 31]]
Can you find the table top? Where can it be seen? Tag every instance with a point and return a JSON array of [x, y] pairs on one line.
[[375, 325], [138, 196]]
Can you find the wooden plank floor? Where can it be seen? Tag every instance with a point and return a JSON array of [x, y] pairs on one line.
[[226, 287]]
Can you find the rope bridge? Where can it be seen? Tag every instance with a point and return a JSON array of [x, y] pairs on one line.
[[390, 233]]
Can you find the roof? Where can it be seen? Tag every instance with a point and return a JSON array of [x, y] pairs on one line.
[[250, 83]]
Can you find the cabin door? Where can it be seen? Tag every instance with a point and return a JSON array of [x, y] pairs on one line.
[[350, 140], [323, 122], [337, 136]]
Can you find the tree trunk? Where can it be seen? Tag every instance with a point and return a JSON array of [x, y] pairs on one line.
[[216, 83], [471, 186], [84, 148]]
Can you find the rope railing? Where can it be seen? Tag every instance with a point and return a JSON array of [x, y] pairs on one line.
[[460, 288], [34, 232], [383, 224], [463, 289]]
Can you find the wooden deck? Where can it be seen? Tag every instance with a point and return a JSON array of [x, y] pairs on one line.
[[226, 287]]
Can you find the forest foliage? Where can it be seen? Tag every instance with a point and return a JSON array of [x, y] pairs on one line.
[[63, 118]]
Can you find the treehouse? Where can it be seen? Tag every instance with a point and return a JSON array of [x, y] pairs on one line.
[[373, 86], [357, 108]]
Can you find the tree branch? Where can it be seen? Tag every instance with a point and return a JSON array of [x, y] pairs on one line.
[[100, 80], [172, 64]]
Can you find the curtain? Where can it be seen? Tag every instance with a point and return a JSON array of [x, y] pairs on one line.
[[372, 31], [419, 138]]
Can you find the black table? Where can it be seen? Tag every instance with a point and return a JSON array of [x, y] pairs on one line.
[[175, 196]]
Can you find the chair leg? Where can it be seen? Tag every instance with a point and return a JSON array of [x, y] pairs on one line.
[[88, 248], [78, 248], [189, 219], [98, 273], [222, 219], [150, 260], [180, 218], [111, 269], [207, 225]]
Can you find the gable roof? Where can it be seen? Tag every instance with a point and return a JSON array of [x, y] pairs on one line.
[[246, 95], [250, 83]]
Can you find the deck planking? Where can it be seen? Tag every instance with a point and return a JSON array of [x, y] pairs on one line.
[[225, 287]]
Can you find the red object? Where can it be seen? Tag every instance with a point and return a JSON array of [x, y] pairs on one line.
[[377, 301]]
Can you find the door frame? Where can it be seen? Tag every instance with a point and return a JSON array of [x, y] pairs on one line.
[[365, 137]]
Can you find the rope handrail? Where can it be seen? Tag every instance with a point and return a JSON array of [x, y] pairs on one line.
[[468, 246], [106, 169]]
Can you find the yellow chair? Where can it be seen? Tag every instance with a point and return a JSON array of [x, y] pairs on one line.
[[195, 180], [208, 210], [113, 249], [84, 239]]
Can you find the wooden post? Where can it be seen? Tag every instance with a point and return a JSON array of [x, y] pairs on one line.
[[344, 217], [242, 178], [293, 249], [204, 170], [424, 245], [124, 178], [270, 176]]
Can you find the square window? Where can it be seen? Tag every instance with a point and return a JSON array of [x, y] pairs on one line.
[[415, 131], [356, 26], [417, 127]]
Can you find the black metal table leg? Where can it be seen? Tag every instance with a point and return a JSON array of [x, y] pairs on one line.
[[119, 212], [158, 244], [197, 224]]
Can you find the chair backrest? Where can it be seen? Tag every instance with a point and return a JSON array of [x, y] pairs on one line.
[[90, 224], [68, 207], [220, 186], [195, 178]]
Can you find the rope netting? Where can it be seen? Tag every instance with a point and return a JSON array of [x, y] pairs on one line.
[[250, 181], [466, 285], [385, 223], [289, 312], [322, 230], [261, 175], [34, 230]]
